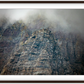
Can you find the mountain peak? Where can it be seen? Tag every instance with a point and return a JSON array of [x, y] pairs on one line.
[[44, 53], [35, 55]]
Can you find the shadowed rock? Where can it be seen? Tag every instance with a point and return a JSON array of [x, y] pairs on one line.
[[44, 53], [34, 56]]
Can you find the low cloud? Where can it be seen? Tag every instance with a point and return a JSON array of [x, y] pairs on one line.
[[71, 20]]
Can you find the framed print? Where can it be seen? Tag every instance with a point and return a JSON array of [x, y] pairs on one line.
[[41, 41]]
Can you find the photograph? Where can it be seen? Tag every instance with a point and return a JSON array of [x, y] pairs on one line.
[[41, 41]]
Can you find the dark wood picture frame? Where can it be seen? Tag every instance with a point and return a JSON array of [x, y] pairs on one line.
[[47, 81]]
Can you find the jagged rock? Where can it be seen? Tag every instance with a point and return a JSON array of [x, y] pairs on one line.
[[15, 32], [36, 56], [70, 54], [11, 36], [45, 53]]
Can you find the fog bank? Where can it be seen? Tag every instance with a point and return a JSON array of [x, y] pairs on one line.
[[70, 20]]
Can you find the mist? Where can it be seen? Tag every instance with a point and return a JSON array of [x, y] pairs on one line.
[[56, 49], [66, 20]]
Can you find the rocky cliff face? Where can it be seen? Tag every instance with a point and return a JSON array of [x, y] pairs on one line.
[[70, 57], [9, 37], [34, 56], [46, 53]]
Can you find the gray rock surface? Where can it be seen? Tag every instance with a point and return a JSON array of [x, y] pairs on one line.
[[45, 53], [34, 56], [10, 37]]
